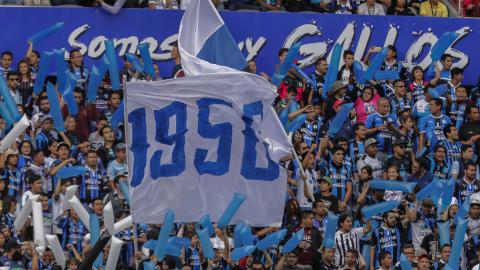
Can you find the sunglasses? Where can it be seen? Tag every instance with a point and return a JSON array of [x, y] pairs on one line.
[[401, 146], [14, 80], [303, 148]]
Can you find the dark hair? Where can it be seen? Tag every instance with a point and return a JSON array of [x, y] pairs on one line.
[[71, 53], [340, 139], [445, 245], [190, 235], [7, 204], [101, 131], [428, 87], [36, 53], [412, 74], [29, 70], [357, 126], [444, 56], [385, 214], [347, 52], [382, 255], [440, 146], [354, 252], [342, 218], [396, 81], [407, 246], [11, 73], [117, 178], [455, 71], [35, 153], [33, 178], [422, 163], [7, 53], [320, 60], [370, 174], [318, 104], [51, 141], [102, 118], [399, 177], [337, 148], [292, 89], [289, 214], [78, 90], [169, 261], [470, 163], [281, 51], [258, 262], [91, 152], [465, 147], [306, 214], [315, 204], [448, 129], [469, 108], [97, 199], [438, 102], [24, 142]]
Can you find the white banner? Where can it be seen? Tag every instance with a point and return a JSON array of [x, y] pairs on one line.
[[195, 141]]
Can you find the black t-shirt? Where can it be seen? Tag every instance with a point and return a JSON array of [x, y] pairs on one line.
[[176, 68], [431, 244], [330, 110], [330, 202], [468, 130], [405, 163]]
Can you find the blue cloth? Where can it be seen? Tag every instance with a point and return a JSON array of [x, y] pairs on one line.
[[436, 124], [445, 76], [41, 141], [423, 181], [383, 136]]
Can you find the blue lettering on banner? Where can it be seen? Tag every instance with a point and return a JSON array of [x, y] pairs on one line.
[[207, 131]]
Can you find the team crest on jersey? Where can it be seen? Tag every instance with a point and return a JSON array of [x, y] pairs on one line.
[[369, 108]]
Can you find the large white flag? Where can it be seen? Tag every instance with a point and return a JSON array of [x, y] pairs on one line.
[[205, 44], [196, 141]]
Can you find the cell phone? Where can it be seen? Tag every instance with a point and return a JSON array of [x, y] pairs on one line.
[[378, 49]]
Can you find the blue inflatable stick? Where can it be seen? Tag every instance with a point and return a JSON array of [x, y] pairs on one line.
[[457, 244], [327, 83], [125, 190], [329, 242], [366, 254], [335, 62], [393, 185], [438, 91], [60, 66], [442, 45], [206, 223], [173, 250], [246, 233], [137, 65], [164, 234], [404, 263], [242, 252], [70, 100], [434, 186], [340, 118], [5, 113], [55, 110], [150, 244], [68, 172], [297, 123], [284, 118], [305, 76], [148, 265], [93, 84], [42, 72], [271, 239], [112, 58], [383, 75], [293, 106], [94, 236], [147, 58], [104, 65], [376, 63], [462, 212], [448, 193], [180, 242], [358, 71], [378, 208], [230, 211], [294, 241], [277, 79], [206, 244], [431, 136], [118, 115], [444, 228], [288, 61], [45, 33], [237, 237]]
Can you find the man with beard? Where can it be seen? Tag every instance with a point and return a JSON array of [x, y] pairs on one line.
[[14, 258], [318, 78], [451, 144], [45, 263], [44, 108], [370, 159], [469, 132], [388, 236], [320, 216], [468, 184], [288, 261]]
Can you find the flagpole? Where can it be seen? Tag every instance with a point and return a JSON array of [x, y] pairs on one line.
[[134, 226]]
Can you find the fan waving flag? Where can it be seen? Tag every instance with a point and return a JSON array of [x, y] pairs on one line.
[[205, 44]]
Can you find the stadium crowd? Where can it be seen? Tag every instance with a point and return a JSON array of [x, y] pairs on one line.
[[397, 131]]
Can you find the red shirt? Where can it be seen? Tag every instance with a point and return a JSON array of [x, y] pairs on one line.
[[81, 119], [305, 255]]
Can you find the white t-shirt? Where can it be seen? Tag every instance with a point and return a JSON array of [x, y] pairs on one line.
[[218, 244]]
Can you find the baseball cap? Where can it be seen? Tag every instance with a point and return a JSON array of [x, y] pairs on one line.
[[394, 49], [326, 179], [45, 117], [119, 147], [63, 143], [13, 244], [428, 201], [399, 142], [338, 103], [370, 141], [424, 256], [10, 152]]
